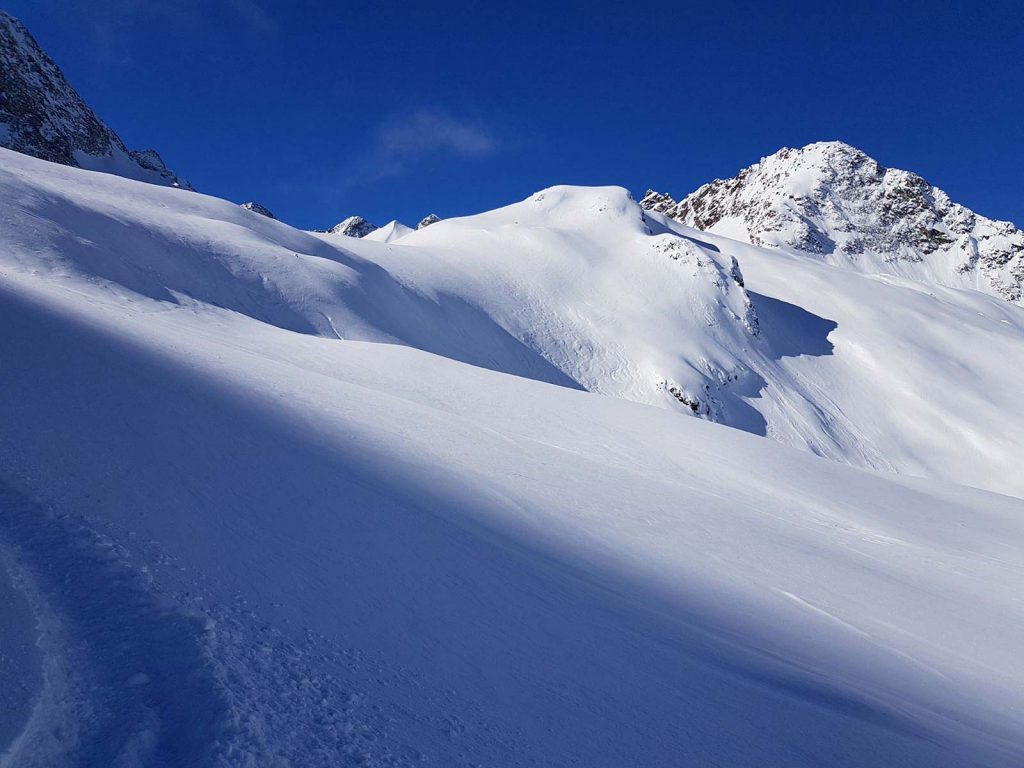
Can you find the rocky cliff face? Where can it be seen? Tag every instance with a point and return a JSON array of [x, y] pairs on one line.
[[43, 116], [832, 200]]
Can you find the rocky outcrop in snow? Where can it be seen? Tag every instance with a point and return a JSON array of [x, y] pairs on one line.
[[353, 226], [427, 220], [43, 116], [832, 200], [255, 207]]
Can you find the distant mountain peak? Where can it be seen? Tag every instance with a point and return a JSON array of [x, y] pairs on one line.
[[426, 221], [42, 115], [834, 201], [353, 226]]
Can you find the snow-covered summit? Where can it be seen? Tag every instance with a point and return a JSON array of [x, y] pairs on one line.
[[42, 115], [353, 226], [834, 201], [426, 221]]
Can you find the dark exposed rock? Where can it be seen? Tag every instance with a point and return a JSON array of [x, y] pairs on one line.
[[257, 208], [426, 221], [657, 201]]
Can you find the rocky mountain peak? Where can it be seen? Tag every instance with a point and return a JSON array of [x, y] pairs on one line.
[[353, 226], [427, 220], [832, 200], [43, 116]]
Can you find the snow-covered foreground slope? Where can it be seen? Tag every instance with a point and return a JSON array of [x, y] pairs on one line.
[[248, 545]]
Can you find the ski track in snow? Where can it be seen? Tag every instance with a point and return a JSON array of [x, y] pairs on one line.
[[133, 677]]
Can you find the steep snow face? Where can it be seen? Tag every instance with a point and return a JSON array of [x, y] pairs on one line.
[[353, 226], [833, 201], [43, 116]]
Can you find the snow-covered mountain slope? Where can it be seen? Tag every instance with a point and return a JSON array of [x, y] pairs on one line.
[[43, 116], [248, 533], [579, 276], [579, 287], [250, 545], [919, 379], [874, 371], [833, 201]]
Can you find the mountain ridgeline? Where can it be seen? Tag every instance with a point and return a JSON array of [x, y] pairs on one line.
[[834, 202], [42, 115]]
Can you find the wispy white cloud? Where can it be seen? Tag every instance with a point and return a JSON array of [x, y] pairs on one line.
[[402, 141], [432, 131]]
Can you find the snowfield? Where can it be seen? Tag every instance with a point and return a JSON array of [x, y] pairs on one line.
[[277, 498]]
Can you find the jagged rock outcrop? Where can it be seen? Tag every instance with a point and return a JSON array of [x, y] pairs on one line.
[[43, 116], [426, 221], [353, 226], [657, 202], [834, 201], [255, 207]]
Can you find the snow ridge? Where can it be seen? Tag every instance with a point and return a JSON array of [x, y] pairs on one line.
[[833, 201]]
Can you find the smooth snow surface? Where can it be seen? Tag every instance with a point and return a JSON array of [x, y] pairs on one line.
[[253, 534]]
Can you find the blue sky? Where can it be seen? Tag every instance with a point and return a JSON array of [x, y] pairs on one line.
[[395, 110]]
